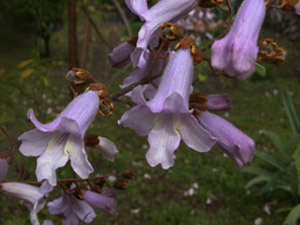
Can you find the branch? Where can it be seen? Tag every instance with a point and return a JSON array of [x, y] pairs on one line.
[[95, 27], [124, 18]]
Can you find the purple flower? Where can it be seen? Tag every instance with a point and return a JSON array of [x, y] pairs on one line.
[[161, 12], [166, 118], [33, 197], [3, 169], [75, 209], [62, 139], [235, 143], [218, 103], [236, 53]]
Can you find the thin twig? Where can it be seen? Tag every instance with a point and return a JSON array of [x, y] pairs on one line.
[[124, 18], [95, 27], [7, 134]]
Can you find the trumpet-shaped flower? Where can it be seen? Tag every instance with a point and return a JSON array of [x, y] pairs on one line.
[[166, 118], [75, 209], [235, 143], [62, 139], [161, 12], [236, 53], [33, 197]]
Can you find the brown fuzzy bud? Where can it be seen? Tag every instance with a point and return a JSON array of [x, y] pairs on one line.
[[91, 140], [25, 175], [19, 167], [128, 174], [121, 185], [99, 181], [171, 31], [77, 76]]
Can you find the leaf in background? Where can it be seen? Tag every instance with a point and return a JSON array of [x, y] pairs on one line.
[[261, 70], [279, 145], [293, 216], [25, 63], [296, 156], [257, 171], [257, 180], [26, 73], [271, 160], [291, 111]]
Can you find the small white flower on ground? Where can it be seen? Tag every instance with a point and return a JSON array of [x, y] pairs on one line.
[[147, 176], [258, 221], [135, 211], [208, 201], [267, 209]]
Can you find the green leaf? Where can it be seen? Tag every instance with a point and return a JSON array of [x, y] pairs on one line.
[[261, 70], [293, 216], [296, 156], [257, 171], [271, 160], [257, 180], [279, 145], [294, 140], [292, 112]]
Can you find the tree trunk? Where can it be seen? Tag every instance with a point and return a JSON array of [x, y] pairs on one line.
[[72, 18], [47, 46]]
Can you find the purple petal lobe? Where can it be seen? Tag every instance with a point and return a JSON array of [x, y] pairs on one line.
[[139, 118], [101, 202], [48, 222], [3, 169], [193, 134], [218, 102], [109, 192], [164, 139], [235, 143], [78, 157], [34, 142], [54, 157], [138, 7]]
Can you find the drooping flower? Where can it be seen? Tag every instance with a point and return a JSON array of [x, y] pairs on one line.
[[62, 139], [75, 209], [166, 118], [236, 53], [33, 197], [161, 12], [234, 142]]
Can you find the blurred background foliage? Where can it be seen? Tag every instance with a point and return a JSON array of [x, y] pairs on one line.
[[206, 189]]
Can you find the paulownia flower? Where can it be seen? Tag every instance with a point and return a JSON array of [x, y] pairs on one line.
[[161, 12], [33, 197], [166, 118], [75, 209], [236, 53], [234, 142], [62, 139]]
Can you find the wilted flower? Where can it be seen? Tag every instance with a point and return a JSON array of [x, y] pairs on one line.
[[236, 53], [161, 12], [33, 197], [62, 139], [166, 118], [75, 209]]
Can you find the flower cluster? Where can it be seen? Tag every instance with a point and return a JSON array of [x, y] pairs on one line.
[[164, 106]]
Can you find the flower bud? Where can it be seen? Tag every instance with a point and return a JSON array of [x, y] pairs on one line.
[[128, 174], [121, 184]]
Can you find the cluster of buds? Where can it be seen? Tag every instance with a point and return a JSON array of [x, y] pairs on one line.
[[196, 102], [270, 52], [171, 32], [106, 105], [286, 5]]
